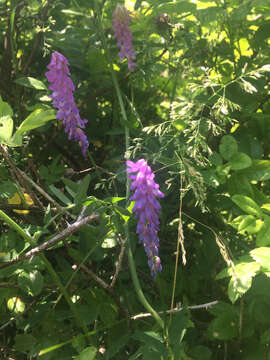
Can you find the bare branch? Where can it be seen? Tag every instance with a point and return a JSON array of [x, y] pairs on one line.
[[177, 309], [57, 238]]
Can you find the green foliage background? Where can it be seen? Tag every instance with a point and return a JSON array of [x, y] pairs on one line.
[[198, 110]]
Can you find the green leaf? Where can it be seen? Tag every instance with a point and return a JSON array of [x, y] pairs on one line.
[[115, 199], [7, 189], [240, 161], [31, 283], [241, 279], [88, 353], [36, 119], [247, 205], [82, 190], [180, 323], [153, 341], [259, 171], [31, 83], [241, 270], [178, 7], [225, 326], [248, 220], [58, 193], [6, 122], [79, 343], [263, 237], [228, 147], [262, 256], [16, 305], [24, 342]]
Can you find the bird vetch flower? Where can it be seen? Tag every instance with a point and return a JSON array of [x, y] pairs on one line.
[[63, 88], [147, 209], [123, 34]]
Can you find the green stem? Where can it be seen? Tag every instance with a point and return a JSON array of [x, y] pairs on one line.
[[12, 224], [132, 266]]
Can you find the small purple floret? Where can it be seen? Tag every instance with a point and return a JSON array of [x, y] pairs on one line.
[[123, 34], [63, 88], [147, 209]]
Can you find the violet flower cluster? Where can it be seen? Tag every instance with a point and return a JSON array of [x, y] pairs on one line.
[[63, 88], [147, 209], [123, 34]]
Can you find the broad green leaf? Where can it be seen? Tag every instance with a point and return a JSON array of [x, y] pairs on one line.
[[239, 184], [241, 279], [241, 270], [266, 207], [82, 190], [31, 83], [31, 283], [16, 305], [254, 227], [237, 287], [258, 171], [16, 140], [88, 353], [228, 147], [109, 242], [240, 161], [224, 326], [263, 237], [6, 122], [262, 256], [36, 119], [249, 220], [247, 205]]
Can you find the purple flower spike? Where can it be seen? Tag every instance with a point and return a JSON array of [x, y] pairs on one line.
[[62, 87], [147, 209], [122, 20]]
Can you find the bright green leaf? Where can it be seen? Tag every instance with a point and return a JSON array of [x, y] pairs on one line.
[[247, 205], [240, 161], [6, 122], [31, 83], [36, 119], [248, 220], [263, 237], [262, 256], [16, 305]]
